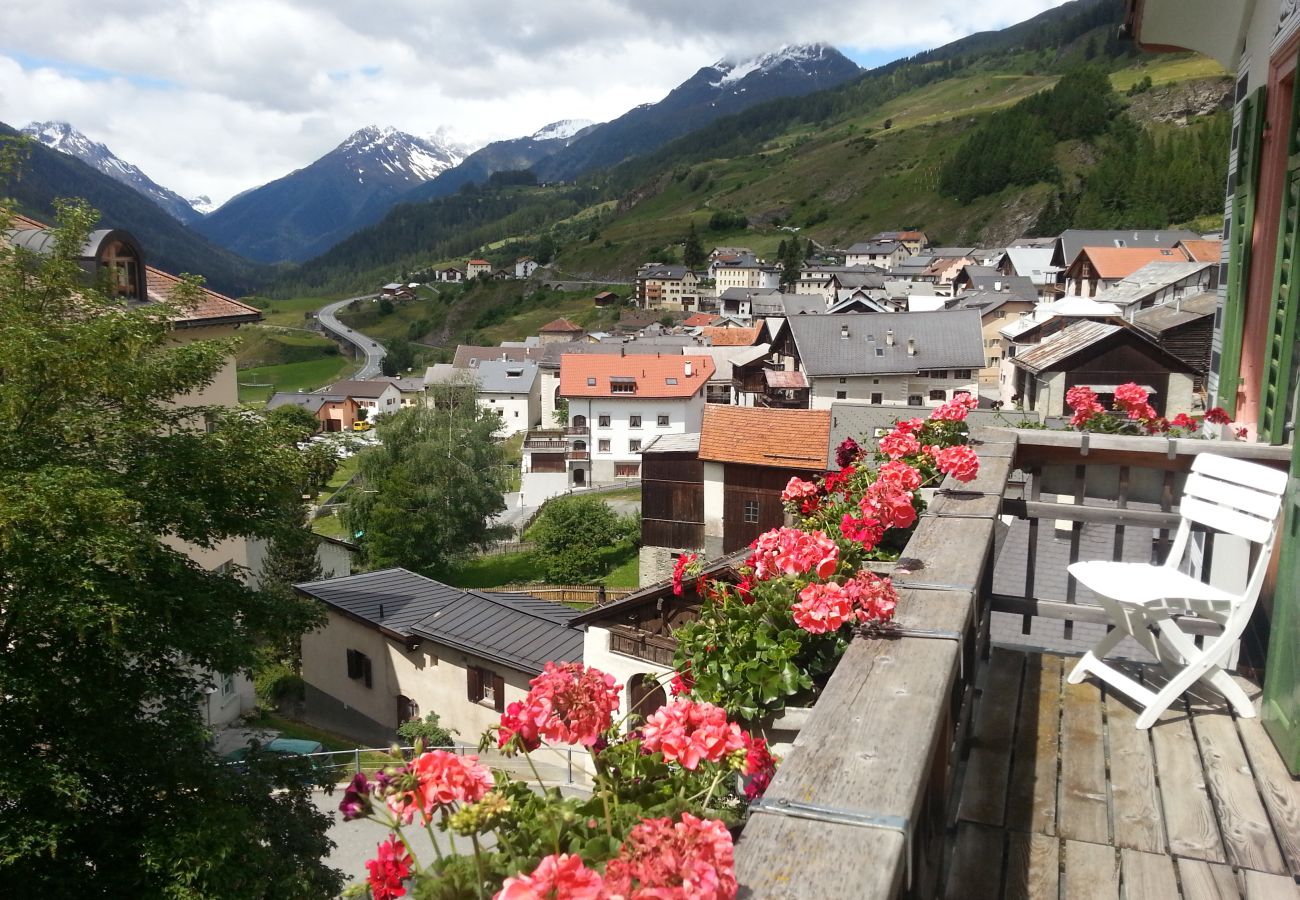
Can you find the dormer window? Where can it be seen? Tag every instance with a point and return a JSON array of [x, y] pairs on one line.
[[591, 382], [622, 385], [124, 271]]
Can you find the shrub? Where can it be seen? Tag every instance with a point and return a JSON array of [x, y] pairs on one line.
[[276, 683], [427, 730]]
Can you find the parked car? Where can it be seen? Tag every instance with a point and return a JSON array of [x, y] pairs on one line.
[[360, 426], [280, 747]]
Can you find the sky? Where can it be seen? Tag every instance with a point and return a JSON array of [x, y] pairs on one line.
[[215, 97]]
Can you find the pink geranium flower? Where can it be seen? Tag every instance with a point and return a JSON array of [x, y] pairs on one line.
[[391, 865], [960, 462], [823, 608], [684, 562], [899, 443], [798, 489], [789, 551], [1216, 416], [874, 597], [760, 766], [435, 780], [889, 504], [568, 703], [690, 860], [864, 531], [688, 733], [900, 473], [516, 723], [561, 877], [955, 410]]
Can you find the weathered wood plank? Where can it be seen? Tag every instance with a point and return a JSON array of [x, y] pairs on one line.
[[1031, 798], [951, 611], [984, 792], [1102, 515], [1033, 867], [867, 748], [1091, 872], [1279, 791], [966, 506], [1266, 886], [1207, 881], [950, 553], [991, 479], [1083, 815], [976, 872], [1135, 800], [1147, 875], [1189, 817], [1243, 823]]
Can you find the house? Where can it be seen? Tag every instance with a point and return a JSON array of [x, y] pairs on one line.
[[901, 359], [468, 356], [914, 241], [509, 389], [744, 271], [1209, 251], [699, 320], [118, 259], [946, 262], [450, 274], [884, 254], [1095, 269], [625, 401], [1034, 263], [1102, 356], [559, 331], [723, 386], [986, 278], [723, 336], [399, 291], [376, 398], [333, 412], [606, 298], [525, 266], [411, 388], [1184, 327], [996, 310], [660, 286], [1161, 282], [716, 491], [476, 268], [1065, 249], [396, 646]]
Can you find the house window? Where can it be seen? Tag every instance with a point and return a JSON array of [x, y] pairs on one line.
[[940, 396], [751, 512], [962, 374], [915, 400], [877, 398], [844, 381], [634, 446], [663, 421], [227, 685], [486, 687], [602, 421], [591, 382], [633, 421], [841, 395], [880, 351], [602, 446], [993, 361], [627, 470], [622, 387], [359, 667]]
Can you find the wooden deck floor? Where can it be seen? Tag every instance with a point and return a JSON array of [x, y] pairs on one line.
[[1062, 797]]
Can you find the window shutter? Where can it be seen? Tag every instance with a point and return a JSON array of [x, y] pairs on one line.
[[1241, 229], [1275, 393], [474, 679], [354, 664], [365, 669], [499, 692]]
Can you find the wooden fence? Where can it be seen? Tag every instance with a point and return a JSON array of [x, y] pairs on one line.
[[568, 593]]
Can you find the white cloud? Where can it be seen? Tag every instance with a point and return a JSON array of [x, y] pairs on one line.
[[217, 96]]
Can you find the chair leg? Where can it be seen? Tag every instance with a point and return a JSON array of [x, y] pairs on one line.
[[1095, 655], [1181, 643]]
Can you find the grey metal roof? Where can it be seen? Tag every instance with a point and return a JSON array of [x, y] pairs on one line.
[[874, 247], [516, 629], [724, 358], [1034, 263], [1150, 279], [663, 272], [1008, 284], [497, 377], [950, 252], [803, 304], [673, 443], [468, 355], [944, 339], [1064, 344], [739, 293], [616, 347], [367, 389], [1161, 318], [1073, 240], [405, 597]]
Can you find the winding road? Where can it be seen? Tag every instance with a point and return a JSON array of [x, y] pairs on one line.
[[374, 351]]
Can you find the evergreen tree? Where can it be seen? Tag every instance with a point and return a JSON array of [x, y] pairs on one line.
[[693, 255], [109, 627]]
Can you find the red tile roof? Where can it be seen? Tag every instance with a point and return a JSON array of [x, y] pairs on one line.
[[697, 320], [1202, 251], [734, 337], [588, 375], [210, 309], [1121, 262], [479, 262], [756, 436], [560, 325]]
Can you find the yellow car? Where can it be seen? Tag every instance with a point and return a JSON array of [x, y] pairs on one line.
[[360, 426]]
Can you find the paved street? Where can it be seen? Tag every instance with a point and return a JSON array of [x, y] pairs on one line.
[[373, 350]]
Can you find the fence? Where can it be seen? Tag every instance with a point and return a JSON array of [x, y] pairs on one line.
[[568, 593], [499, 548], [552, 765]]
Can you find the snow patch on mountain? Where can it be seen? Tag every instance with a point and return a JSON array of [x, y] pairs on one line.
[[565, 128], [405, 157], [201, 204], [796, 55]]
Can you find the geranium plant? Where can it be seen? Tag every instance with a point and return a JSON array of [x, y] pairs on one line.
[[655, 825], [1132, 413], [773, 635]]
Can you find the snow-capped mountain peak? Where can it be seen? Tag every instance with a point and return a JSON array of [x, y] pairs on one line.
[[202, 204], [794, 56], [62, 137], [565, 128], [404, 157]]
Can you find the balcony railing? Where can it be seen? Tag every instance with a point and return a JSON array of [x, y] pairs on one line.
[[578, 455], [577, 430], [861, 807], [534, 443]]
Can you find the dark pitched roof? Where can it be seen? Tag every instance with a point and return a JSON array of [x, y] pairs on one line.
[[1073, 240], [469, 355], [724, 567], [517, 630], [945, 339], [1056, 352], [1158, 319]]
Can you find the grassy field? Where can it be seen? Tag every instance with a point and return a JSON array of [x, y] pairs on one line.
[[291, 312], [336, 743], [298, 376], [331, 526], [526, 568], [262, 345], [1168, 69]]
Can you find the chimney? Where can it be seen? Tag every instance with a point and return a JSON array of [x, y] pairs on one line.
[[687, 368], [844, 332], [381, 612], [997, 286], [889, 338], [911, 346]]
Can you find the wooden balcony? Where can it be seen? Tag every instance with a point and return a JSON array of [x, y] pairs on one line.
[[543, 443], [577, 455], [949, 759]]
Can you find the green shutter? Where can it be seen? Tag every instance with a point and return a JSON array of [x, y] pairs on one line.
[[1242, 224], [1275, 387], [1280, 709]]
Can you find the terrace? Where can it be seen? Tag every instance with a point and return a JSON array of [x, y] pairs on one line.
[[950, 758]]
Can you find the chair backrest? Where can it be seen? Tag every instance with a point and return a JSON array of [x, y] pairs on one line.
[[1234, 496]]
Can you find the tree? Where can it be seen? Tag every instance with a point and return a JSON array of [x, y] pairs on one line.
[[561, 414], [429, 730], [295, 418], [577, 537], [432, 484], [108, 626], [693, 255]]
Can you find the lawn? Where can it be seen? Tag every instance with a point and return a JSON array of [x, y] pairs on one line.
[[1168, 70], [257, 385], [335, 743], [331, 526], [627, 493], [291, 312], [526, 568]]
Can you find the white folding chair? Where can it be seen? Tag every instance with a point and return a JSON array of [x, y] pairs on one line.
[[1223, 494]]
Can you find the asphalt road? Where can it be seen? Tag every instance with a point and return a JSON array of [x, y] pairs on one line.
[[373, 350]]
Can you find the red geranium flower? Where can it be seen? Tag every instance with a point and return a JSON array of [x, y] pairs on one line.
[[391, 865]]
